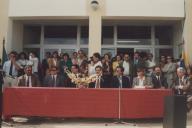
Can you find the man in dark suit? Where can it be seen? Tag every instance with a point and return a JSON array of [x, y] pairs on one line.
[[28, 79], [54, 79], [100, 80], [158, 80], [75, 71], [120, 81]]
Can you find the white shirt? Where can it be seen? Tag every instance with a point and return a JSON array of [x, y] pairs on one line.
[[55, 77], [98, 81], [120, 82], [92, 68], [35, 62], [126, 68], [6, 68], [23, 62], [26, 78], [141, 83]]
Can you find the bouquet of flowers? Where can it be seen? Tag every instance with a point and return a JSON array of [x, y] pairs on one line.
[[80, 81]]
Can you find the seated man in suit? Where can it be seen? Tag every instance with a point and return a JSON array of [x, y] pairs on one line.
[[120, 81], [28, 79], [158, 80], [100, 80], [74, 70], [183, 86], [53, 79], [141, 81]]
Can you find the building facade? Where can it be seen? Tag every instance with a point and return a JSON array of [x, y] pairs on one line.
[[156, 26]]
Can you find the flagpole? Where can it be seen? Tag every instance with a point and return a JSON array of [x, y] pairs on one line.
[[1, 85]]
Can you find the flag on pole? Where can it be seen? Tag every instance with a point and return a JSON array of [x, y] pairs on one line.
[[4, 55], [185, 56]]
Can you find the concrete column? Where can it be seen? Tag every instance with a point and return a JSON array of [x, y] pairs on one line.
[[4, 6], [95, 26], [188, 29]]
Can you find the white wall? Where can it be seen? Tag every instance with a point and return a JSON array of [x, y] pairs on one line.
[[22, 8], [145, 8], [128, 8]]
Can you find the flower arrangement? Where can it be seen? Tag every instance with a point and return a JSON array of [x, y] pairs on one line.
[[80, 81]]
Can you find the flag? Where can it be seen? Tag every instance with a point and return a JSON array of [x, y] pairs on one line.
[[4, 55], [185, 56]]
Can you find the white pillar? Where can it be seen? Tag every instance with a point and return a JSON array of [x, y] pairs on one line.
[[4, 6], [95, 26]]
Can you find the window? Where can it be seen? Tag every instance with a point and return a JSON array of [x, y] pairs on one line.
[[34, 50], [134, 35], [111, 51], [162, 52], [60, 34], [107, 35], [31, 34], [84, 34], [163, 35], [69, 51]]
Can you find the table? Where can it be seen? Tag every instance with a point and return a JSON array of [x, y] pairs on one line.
[[84, 103]]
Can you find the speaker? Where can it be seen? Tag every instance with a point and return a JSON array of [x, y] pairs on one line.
[[175, 112]]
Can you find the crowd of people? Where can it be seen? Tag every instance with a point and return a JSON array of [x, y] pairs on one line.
[[121, 71]]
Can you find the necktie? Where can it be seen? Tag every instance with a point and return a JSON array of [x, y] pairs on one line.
[[10, 70], [120, 82], [54, 81], [159, 81], [27, 81], [98, 83], [180, 82]]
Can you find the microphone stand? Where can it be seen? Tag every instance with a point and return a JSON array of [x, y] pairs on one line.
[[119, 120]]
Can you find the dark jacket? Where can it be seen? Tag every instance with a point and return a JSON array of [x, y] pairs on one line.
[[157, 84], [48, 81], [125, 82]]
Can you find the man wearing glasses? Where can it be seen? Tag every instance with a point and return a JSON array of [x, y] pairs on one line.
[[54, 79], [11, 68]]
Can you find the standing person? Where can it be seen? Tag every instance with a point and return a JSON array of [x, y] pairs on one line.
[[54, 61], [28, 79], [138, 63], [35, 63], [116, 63], [107, 68], [45, 65], [158, 80], [162, 61], [119, 80], [150, 64], [128, 66], [94, 62], [169, 71], [75, 58], [81, 57], [11, 68], [53, 79], [65, 63]]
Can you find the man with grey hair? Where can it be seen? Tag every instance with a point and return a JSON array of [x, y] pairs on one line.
[[28, 79], [183, 85]]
